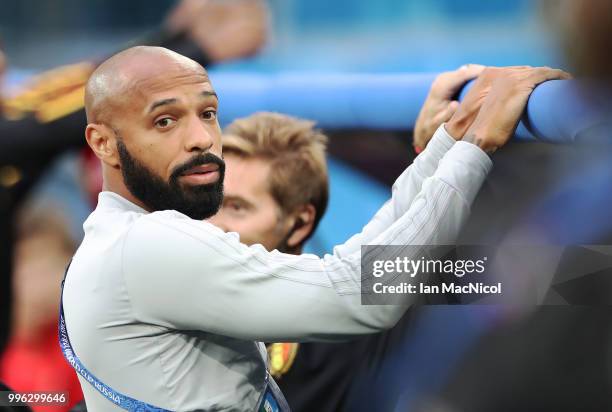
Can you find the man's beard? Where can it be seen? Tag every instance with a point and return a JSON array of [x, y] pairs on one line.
[[198, 202]]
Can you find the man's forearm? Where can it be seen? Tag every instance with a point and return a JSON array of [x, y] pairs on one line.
[[404, 191]]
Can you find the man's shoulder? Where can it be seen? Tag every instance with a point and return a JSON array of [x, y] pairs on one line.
[[161, 248], [172, 220], [115, 222], [168, 230]]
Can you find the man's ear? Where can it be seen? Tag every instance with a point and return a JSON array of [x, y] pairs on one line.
[[103, 141], [303, 223]]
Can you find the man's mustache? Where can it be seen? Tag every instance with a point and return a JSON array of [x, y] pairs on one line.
[[196, 161]]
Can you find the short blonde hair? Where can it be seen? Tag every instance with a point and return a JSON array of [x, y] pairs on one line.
[[295, 151]]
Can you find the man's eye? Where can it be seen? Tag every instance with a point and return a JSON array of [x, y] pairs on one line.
[[234, 207], [164, 122], [209, 115]]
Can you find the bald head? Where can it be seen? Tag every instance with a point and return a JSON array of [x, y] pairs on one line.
[[116, 81]]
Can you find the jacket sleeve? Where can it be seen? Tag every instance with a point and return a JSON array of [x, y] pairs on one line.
[[189, 275], [404, 191]]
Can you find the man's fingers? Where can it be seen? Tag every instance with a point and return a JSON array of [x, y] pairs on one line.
[[447, 113], [462, 75], [448, 84], [469, 71], [542, 74]]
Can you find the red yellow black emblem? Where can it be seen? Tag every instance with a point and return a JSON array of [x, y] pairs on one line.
[[50, 95], [281, 356]]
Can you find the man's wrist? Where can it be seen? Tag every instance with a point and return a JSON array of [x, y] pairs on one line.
[[461, 121], [455, 129], [480, 140]]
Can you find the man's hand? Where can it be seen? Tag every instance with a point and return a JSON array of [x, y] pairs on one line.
[[223, 29], [466, 113], [504, 96], [439, 106]]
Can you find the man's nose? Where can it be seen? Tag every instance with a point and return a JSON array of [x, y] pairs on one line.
[[199, 136]]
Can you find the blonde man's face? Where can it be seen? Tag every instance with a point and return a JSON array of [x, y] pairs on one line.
[[248, 207]]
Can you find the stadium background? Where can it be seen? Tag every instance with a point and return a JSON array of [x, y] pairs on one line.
[[319, 36], [347, 36]]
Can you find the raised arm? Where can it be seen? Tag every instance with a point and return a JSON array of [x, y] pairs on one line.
[[431, 134], [185, 274], [189, 275]]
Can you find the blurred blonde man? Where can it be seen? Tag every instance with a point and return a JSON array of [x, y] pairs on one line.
[[277, 189]]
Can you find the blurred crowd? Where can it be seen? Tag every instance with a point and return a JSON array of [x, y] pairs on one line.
[[440, 358]]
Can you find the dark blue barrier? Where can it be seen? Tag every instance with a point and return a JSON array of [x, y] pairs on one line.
[[385, 101]]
